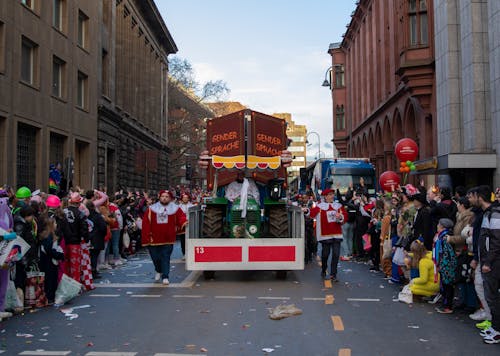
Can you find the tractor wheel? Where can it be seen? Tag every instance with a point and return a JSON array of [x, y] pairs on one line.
[[208, 275], [278, 222], [212, 222]]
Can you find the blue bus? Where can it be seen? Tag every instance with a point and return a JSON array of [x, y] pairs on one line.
[[338, 174]]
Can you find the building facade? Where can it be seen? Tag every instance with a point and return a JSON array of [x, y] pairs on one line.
[[468, 91], [187, 118], [297, 134], [383, 81], [133, 96], [48, 105]]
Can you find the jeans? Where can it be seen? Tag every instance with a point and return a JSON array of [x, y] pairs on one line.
[[115, 243], [334, 246], [348, 234], [161, 258]]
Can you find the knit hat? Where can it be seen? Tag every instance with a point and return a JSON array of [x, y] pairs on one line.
[[446, 223]]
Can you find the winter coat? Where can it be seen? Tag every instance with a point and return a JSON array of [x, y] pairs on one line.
[[97, 230], [457, 240], [75, 226], [425, 284], [489, 239]]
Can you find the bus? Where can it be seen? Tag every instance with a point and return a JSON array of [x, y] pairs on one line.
[[327, 173]]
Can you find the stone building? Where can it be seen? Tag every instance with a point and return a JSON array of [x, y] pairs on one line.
[[383, 81], [297, 135], [48, 105], [132, 128], [187, 118], [468, 91]]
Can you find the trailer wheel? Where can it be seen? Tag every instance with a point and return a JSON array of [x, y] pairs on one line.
[[281, 274], [212, 222], [278, 222], [208, 275]]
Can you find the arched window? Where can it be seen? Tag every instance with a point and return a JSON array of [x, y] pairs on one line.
[[340, 118], [418, 20]]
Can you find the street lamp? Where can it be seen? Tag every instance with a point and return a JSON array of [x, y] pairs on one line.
[[319, 141], [328, 82]]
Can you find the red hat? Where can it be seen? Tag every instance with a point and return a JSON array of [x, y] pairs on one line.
[[170, 194], [327, 191]]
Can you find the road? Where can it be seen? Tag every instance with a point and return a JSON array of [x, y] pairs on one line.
[[128, 315]]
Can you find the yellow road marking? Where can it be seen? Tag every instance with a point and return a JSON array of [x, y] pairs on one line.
[[345, 352], [328, 283], [337, 323], [329, 299]]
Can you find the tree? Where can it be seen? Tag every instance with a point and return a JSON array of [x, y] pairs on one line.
[[181, 71]]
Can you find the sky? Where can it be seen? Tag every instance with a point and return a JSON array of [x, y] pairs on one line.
[[272, 54]]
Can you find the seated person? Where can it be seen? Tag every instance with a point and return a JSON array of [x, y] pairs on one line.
[[424, 285], [234, 189]]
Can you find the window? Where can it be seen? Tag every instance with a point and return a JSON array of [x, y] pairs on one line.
[[28, 61], [58, 66], [2, 47], [340, 118], [57, 14], [29, 4], [81, 90], [339, 76], [105, 73], [418, 21], [26, 153], [83, 29]]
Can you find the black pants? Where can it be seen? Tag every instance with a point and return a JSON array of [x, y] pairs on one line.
[[182, 239], [327, 246], [93, 259], [448, 291], [491, 284], [375, 250]]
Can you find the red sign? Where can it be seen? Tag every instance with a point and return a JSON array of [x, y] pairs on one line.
[[271, 254], [218, 254]]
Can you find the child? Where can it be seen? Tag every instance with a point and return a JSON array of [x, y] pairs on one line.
[[50, 256], [422, 270], [445, 261]]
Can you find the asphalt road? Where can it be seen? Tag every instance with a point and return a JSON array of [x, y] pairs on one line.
[[128, 314]]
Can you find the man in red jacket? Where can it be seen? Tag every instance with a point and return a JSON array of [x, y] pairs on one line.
[[329, 217], [159, 225]]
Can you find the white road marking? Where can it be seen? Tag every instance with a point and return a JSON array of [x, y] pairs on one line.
[[98, 353], [230, 297], [363, 300], [105, 295], [45, 353], [188, 282], [187, 296], [314, 299], [178, 354], [145, 295], [274, 298]]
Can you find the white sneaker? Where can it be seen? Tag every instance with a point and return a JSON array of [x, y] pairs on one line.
[[118, 263], [5, 315], [165, 281], [479, 315], [157, 276], [436, 299]]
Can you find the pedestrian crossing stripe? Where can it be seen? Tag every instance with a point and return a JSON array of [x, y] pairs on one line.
[[44, 353]]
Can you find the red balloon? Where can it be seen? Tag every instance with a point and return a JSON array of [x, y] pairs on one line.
[[406, 150], [389, 181]]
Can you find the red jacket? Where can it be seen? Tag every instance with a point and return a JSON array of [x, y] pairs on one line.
[[328, 226], [160, 224]]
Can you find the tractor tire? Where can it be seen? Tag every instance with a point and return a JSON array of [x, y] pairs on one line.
[[278, 222], [212, 222]]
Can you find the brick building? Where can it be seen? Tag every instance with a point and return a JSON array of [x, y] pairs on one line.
[[383, 81], [133, 102], [426, 70], [48, 105]]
